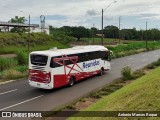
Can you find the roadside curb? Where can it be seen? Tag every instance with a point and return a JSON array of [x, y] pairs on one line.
[[10, 81], [2, 83]]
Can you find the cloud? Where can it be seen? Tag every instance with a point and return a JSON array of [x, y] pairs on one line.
[[56, 17], [150, 16], [91, 12], [76, 12]]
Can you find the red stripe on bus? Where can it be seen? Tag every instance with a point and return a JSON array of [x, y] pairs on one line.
[[62, 80], [39, 76]]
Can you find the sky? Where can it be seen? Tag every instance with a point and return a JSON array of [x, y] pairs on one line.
[[87, 13]]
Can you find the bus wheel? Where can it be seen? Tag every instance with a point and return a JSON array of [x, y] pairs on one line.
[[71, 81], [101, 72]]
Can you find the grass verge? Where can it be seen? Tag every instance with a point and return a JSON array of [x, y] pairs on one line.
[[132, 48], [92, 98], [142, 94], [14, 73]]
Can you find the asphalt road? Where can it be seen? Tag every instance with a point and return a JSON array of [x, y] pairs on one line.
[[19, 96]]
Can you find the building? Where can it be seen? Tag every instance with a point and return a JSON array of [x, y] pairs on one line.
[[7, 26]]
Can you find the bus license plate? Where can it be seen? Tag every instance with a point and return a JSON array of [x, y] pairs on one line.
[[38, 84]]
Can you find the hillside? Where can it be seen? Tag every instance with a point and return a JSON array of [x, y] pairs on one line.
[[14, 52], [12, 42], [141, 95]]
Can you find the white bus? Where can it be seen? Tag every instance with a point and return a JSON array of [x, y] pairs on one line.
[[59, 67]]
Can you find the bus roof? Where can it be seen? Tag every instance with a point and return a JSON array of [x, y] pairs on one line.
[[73, 50]]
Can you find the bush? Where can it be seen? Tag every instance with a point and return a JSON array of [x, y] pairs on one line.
[[22, 57], [132, 48], [95, 95], [157, 63], [153, 65], [6, 63], [65, 39], [13, 74], [138, 73], [127, 73], [22, 68]]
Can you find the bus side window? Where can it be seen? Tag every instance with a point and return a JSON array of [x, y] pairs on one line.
[[51, 63], [81, 57], [54, 64], [106, 55], [68, 62]]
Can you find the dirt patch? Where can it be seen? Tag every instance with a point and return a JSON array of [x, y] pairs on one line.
[[127, 82], [8, 56], [85, 103]]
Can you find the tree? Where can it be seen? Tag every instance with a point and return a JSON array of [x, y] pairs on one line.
[[126, 34], [111, 31], [61, 35], [95, 30], [134, 33], [80, 32], [67, 30], [21, 20]]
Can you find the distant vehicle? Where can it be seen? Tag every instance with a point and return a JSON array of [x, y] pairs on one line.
[[59, 67]]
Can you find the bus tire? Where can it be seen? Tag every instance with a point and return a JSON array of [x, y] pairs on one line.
[[71, 81], [101, 72]]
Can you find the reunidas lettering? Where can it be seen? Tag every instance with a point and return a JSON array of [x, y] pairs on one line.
[[90, 64]]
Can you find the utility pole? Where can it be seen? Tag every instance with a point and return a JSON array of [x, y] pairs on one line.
[[29, 33], [93, 33], [102, 29], [102, 20], [119, 28], [146, 35]]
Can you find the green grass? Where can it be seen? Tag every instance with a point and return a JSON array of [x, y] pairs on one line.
[[127, 47], [21, 68], [17, 72], [132, 48], [49, 45], [15, 68], [135, 46], [10, 49], [106, 40], [45, 46], [141, 95], [98, 40], [7, 63], [12, 42], [13, 74]]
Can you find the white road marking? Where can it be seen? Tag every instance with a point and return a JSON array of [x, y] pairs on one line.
[[144, 60], [129, 65], [8, 92], [21, 102], [131, 58], [157, 56], [155, 52], [144, 54]]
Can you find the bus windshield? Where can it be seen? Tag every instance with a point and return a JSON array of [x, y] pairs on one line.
[[40, 60]]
